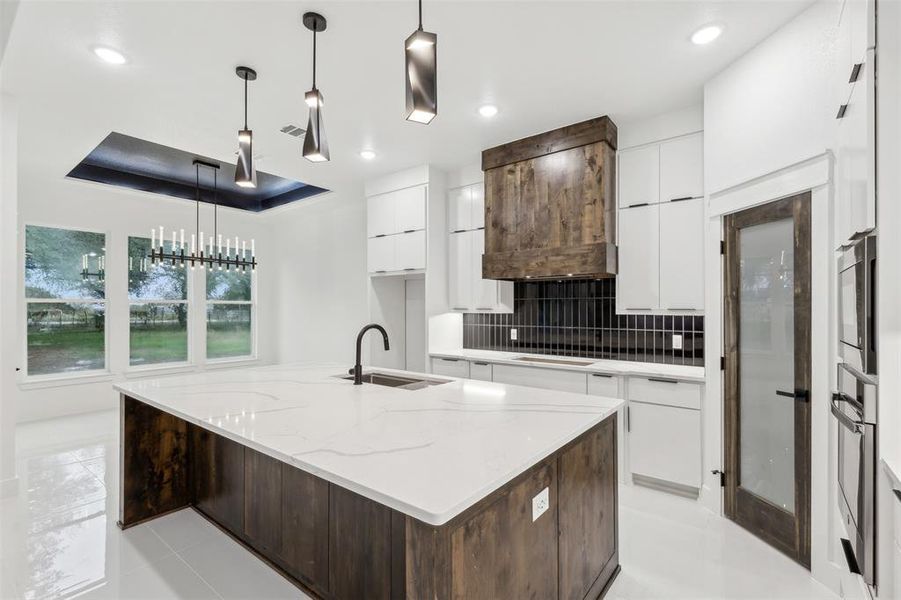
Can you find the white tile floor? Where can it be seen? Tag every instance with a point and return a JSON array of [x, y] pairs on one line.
[[59, 539]]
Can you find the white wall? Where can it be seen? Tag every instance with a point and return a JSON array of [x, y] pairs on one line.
[[320, 272], [56, 201], [8, 183], [772, 107], [660, 127]]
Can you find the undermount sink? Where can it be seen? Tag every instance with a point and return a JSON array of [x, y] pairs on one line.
[[556, 361], [396, 381]]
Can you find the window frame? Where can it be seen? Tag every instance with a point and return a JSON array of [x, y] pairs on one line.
[[190, 359], [252, 303], [90, 374]]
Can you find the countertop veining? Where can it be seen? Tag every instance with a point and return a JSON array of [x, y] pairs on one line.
[[429, 453]]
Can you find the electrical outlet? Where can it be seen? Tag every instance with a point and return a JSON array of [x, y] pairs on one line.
[[513, 334], [677, 341], [541, 503]]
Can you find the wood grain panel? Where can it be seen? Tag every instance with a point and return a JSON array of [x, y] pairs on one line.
[[501, 553], [587, 509], [153, 462], [218, 474], [428, 561], [263, 498], [305, 540], [600, 129], [359, 546]]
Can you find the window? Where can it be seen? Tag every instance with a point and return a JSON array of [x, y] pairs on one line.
[[65, 297], [229, 313], [158, 308]]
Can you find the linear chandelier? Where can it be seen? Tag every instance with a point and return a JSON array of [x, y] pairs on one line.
[[100, 273], [202, 253]]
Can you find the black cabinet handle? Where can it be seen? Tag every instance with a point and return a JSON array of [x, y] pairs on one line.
[[897, 494], [662, 380], [481, 364], [682, 199], [841, 111], [450, 359], [639, 204], [855, 72], [849, 556], [604, 375], [409, 230], [797, 394], [381, 235]]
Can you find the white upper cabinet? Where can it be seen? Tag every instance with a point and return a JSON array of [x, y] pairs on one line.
[[477, 208], [639, 176], [459, 271], [409, 251], [682, 255], [409, 209], [459, 209], [380, 215], [467, 290], [381, 254], [661, 240], [638, 278], [682, 168]]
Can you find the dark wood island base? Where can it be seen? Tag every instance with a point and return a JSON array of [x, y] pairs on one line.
[[334, 543]]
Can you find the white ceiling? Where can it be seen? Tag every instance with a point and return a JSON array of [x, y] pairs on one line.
[[545, 64]]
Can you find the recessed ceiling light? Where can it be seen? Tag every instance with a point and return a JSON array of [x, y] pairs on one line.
[[113, 57], [367, 154], [488, 110], [706, 34]]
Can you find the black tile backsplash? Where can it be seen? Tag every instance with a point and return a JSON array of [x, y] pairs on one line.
[[578, 318]]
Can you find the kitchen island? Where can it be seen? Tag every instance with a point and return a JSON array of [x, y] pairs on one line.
[[442, 489]]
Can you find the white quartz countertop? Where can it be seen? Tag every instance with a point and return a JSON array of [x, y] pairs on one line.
[[613, 367], [430, 453]]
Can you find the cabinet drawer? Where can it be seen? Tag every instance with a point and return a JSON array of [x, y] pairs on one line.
[[602, 384], [480, 370], [665, 443], [537, 377], [665, 391], [451, 367]]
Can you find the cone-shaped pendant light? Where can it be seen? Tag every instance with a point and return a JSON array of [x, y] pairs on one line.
[[245, 171], [315, 146], [421, 50]]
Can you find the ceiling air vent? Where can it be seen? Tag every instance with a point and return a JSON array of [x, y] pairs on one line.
[[293, 130]]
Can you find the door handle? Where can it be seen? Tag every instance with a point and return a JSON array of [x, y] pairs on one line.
[[797, 394]]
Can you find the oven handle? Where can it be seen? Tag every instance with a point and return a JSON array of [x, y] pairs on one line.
[[854, 426]]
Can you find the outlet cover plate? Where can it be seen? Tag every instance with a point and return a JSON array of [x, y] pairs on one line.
[[513, 334], [677, 341], [540, 503]]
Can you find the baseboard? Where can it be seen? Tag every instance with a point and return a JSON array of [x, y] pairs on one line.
[[9, 487], [678, 489]]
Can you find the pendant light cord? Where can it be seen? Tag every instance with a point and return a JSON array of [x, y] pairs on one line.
[[216, 205], [197, 209], [245, 100], [420, 15], [315, 27]]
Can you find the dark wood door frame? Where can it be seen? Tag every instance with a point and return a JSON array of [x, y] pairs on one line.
[[788, 532]]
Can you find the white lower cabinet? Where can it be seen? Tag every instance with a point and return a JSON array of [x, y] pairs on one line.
[[537, 377], [481, 371], [603, 384], [450, 367], [665, 444]]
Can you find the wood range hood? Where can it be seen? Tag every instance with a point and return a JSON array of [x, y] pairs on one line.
[[550, 206]]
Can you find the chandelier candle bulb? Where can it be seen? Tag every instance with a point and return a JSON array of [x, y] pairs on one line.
[[253, 251], [152, 239], [181, 242], [219, 243]]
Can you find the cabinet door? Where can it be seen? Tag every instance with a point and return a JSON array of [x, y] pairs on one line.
[[380, 215], [460, 271], [682, 168], [682, 255], [639, 176], [477, 206], [603, 384], [450, 367], [638, 281], [540, 377], [409, 209], [410, 252], [459, 209], [484, 290], [665, 443], [480, 370], [380, 254], [860, 123]]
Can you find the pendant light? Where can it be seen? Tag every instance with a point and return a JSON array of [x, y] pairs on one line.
[[245, 171], [421, 50], [315, 146]]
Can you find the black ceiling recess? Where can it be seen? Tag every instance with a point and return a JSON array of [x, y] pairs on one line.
[[137, 164]]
